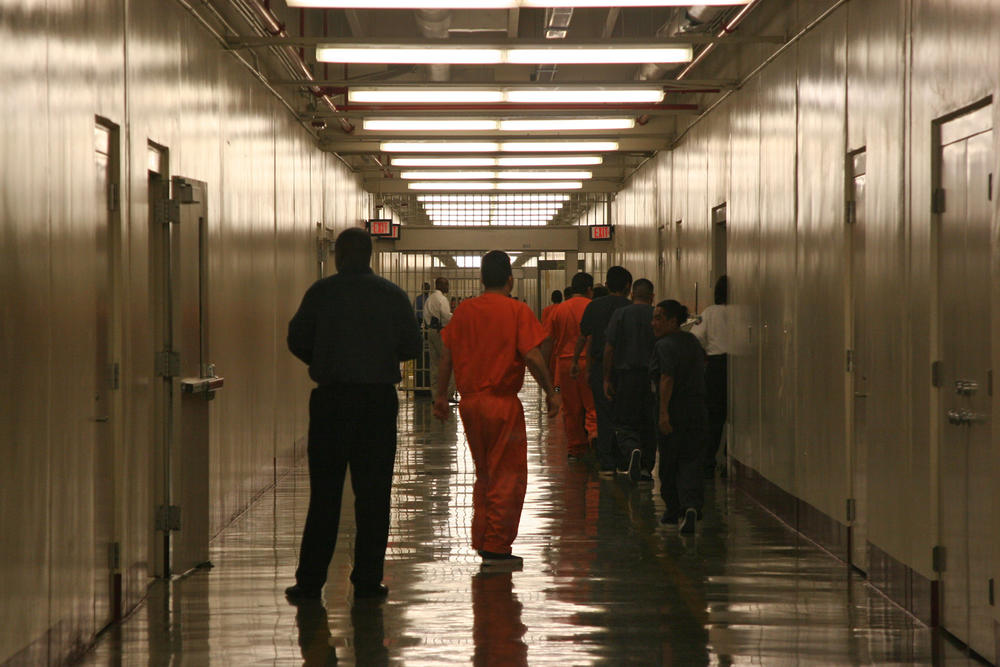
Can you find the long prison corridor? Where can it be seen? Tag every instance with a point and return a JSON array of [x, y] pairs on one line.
[[174, 175]]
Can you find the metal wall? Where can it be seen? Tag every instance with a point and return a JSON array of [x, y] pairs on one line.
[[151, 70], [873, 75]]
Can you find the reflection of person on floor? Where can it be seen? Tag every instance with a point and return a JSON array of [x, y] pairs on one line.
[[314, 635], [488, 342], [497, 629], [714, 333], [579, 418], [626, 380], [677, 369], [353, 329]]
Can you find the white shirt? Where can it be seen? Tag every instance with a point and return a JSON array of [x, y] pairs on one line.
[[714, 331], [437, 305]]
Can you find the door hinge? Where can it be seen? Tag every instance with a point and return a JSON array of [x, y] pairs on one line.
[[938, 201], [112, 196], [938, 556], [992, 597], [852, 510], [989, 382], [114, 556], [989, 187], [168, 364], [850, 361], [114, 378], [936, 369], [167, 211], [852, 212], [168, 517]]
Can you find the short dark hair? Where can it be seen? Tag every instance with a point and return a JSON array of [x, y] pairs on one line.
[[557, 296], [440, 282], [674, 310], [352, 251], [568, 292], [722, 290], [601, 290], [618, 279], [642, 289], [581, 282], [495, 269]]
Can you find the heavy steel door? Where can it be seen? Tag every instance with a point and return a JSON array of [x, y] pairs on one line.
[[106, 563], [858, 363], [964, 376]]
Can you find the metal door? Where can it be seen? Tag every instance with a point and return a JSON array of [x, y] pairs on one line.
[[106, 607], [964, 376], [719, 241], [858, 362]]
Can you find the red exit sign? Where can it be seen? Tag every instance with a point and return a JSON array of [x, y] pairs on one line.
[[380, 227], [601, 232]]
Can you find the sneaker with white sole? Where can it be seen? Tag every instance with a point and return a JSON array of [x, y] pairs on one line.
[[635, 465], [689, 521]]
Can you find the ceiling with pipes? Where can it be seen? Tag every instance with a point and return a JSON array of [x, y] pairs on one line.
[[511, 96]]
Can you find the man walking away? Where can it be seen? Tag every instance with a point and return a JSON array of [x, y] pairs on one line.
[[593, 325], [626, 382], [550, 359], [714, 334], [437, 314], [488, 343], [579, 419], [677, 368], [353, 329]]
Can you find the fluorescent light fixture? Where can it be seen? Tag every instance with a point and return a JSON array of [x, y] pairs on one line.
[[409, 55], [447, 175], [451, 185], [581, 96], [443, 162], [554, 146], [550, 161], [432, 95], [596, 55], [566, 124], [541, 197], [427, 125], [430, 54], [439, 147], [424, 96], [488, 208], [497, 4], [538, 175], [558, 146], [540, 185]]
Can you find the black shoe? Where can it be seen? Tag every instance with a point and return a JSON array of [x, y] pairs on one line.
[[299, 593], [497, 561], [689, 521], [377, 591], [670, 517], [645, 476], [635, 465]]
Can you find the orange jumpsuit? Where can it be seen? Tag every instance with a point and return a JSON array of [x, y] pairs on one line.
[[579, 417], [488, 337], [546, 316]]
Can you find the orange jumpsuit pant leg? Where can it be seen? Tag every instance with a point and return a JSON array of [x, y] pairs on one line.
[[498, 442], [577, 401]]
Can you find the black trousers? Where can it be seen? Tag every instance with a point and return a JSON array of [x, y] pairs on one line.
[[635, 415], [349, 425], [605, 445], [717, 399], [682, 484]]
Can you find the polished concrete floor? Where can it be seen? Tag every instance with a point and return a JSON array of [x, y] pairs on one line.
[[603, 582]]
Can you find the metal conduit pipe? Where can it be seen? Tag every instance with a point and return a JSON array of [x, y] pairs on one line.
[[434, 24], [291, 58]]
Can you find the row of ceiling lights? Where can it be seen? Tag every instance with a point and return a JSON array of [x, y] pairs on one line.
[[498, 4]]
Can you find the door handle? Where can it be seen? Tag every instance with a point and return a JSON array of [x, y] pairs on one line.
[[859, 394], [102, 419], [955, 418]]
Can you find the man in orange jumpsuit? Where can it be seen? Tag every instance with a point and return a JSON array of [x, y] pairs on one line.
[[488, 342], [557, 298], [579, 417]]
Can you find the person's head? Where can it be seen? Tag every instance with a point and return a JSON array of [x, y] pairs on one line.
[[582, 284], [495, 271], [600, 290], [568, 292], [618, 280], [722, 291], [668, 316], [352, 251], [642, 291], [426, 288], [557, 296], [441, 284]]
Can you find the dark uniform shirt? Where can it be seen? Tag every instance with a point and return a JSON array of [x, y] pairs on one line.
[[354, 327], [680, 355], [630, 333], [595, 322]]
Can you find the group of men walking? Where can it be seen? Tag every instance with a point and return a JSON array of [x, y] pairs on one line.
[[623, 370]]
